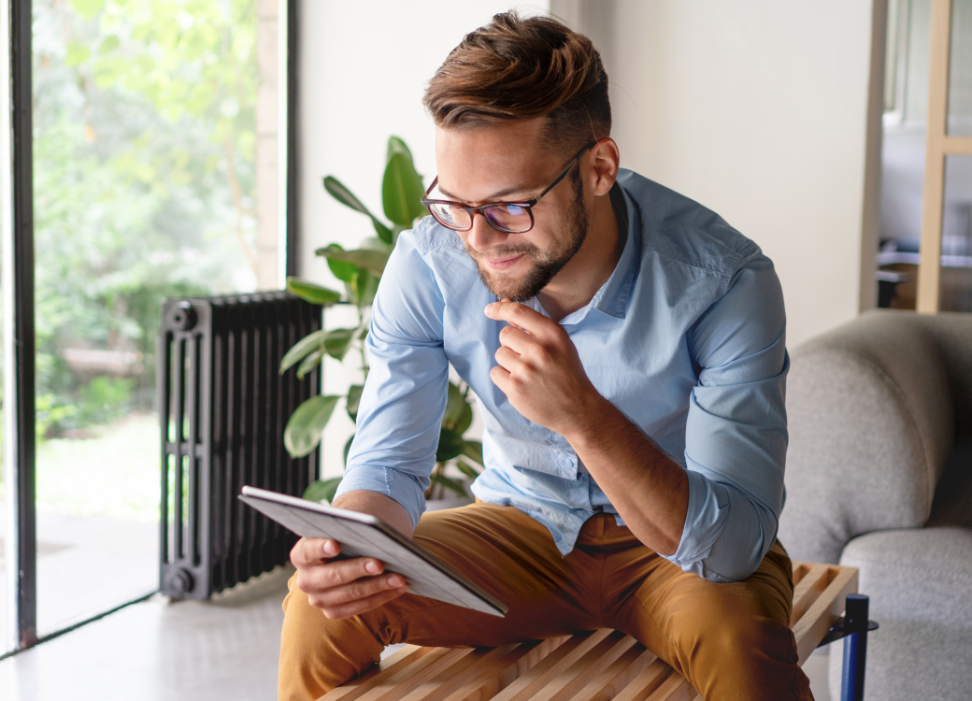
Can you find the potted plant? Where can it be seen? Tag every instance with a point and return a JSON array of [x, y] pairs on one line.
[[360, 270]]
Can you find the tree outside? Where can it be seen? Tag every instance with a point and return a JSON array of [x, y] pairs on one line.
[[144, 186]]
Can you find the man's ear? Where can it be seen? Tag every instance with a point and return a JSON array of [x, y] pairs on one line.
[[606, 159]]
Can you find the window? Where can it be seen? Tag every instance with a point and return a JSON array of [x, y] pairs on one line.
[[155, 133]]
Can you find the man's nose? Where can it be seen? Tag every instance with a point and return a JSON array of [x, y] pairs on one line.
[[483, 235]]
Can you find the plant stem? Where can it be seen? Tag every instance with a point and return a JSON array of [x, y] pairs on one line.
[[361, 347]]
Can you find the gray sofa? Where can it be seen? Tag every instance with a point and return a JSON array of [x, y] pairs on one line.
[[879, 476]]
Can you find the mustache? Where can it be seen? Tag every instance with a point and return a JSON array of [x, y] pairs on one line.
[[496, 253]]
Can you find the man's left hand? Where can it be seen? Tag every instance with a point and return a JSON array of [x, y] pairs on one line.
[[539, 369]]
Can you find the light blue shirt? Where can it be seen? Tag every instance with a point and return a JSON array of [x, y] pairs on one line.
[[686, 338]]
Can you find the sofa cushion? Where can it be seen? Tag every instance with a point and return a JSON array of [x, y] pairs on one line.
[[871, 422], [920, 586]]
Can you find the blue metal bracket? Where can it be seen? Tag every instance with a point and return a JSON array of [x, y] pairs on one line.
[[853, 626]]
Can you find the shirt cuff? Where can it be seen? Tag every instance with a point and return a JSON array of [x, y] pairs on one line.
[[725, 534], [403, 488]]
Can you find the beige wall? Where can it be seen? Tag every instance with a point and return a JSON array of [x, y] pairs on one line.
[[757, 109]]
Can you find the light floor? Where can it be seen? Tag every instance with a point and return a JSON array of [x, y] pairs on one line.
[[190, 651]]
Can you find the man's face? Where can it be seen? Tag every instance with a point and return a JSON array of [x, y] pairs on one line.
[[506, 163]]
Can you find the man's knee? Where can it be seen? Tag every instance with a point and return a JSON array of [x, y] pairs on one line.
[[720, 619], [318, 654], [730, 646]]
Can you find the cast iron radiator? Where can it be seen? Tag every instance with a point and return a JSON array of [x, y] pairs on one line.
[[223, 409]]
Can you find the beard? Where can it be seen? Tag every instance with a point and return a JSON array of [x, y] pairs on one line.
[[546, 264]]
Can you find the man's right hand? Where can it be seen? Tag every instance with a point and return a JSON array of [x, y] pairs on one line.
[[342, 588]]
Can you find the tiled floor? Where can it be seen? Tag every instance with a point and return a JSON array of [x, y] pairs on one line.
[[190, 651], [154, 651]]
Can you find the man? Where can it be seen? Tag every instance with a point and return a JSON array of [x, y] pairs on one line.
[[626, 347]]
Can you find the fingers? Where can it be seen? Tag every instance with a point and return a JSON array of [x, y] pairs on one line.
[[516, 340], [520, 316], [335, 597], [510, 361], [359, 606], [317, 578], [310, 551]]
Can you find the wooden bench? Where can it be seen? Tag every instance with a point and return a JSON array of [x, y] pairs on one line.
[[593, 666]]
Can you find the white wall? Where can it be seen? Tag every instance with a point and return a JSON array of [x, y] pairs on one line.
[[363, 68], [757, 109]]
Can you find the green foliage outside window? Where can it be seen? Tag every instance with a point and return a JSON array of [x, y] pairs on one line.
[[144, 166], [360, 270]]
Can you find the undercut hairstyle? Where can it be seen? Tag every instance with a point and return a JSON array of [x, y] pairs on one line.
[[515, 68]]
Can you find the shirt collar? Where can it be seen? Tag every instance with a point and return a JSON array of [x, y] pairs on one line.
[[612, 297]]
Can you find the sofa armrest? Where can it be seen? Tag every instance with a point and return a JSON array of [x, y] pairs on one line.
[[871, 423]]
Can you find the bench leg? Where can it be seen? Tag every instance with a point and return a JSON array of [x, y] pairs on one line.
[[855, 648]]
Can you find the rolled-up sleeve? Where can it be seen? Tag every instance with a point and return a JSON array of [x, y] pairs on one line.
[[404, 396], [736, 436]]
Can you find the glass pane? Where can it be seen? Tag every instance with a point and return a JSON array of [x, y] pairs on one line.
[[144, 162], [956, 281], [960, 70]]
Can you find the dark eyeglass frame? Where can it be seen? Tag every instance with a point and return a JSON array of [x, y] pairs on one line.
[[527, 205]]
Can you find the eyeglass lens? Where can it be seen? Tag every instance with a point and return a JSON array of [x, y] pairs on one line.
[[507, 217]]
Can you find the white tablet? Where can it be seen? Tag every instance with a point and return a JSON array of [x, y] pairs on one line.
[[361, 535]]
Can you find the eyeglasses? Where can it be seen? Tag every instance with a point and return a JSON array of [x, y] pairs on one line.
[[508, 217]]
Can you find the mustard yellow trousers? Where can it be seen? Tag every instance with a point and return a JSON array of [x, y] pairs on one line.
[[731, 641]]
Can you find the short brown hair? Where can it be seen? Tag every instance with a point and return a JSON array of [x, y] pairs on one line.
[[515, 68]]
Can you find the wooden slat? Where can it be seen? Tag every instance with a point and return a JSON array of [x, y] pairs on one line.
[[957, 145], [800, 569], [811, 586], [609, 683], [379, 674], [646, 682], [415, 675], [824, 612], [675, 688], [929, 267], [563, 658], [452, 677], [495, 675], [570, 682]]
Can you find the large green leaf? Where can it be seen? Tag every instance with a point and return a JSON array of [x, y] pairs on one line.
[[473, 450], [303, 432], [467, 469], [396, 145], [465, 419], [347, 448], [308, 364], [310, 292], [450, 445], [338, 191], [305, 346], [363, 258], [365, 288], [401, 191], [322, 490], [338, 341], [455, 404], [375, 244], [342, 271], [354, 398], [449, 483]]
